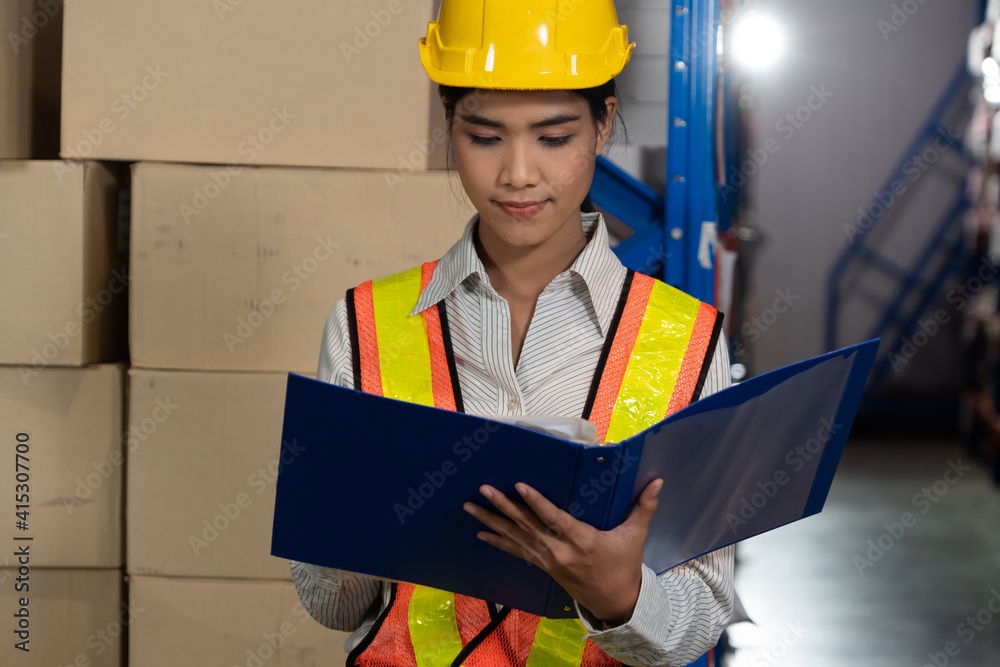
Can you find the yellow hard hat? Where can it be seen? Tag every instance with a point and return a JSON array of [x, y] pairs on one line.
[[525, 44]]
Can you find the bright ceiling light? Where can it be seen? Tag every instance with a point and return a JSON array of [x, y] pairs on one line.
[[758, 41], [991, 68]]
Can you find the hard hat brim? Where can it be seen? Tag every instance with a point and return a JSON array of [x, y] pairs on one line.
[[473, 68]]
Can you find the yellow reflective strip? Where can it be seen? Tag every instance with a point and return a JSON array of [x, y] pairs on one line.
[[433, 630], [558, 642], [655, 362], [403, 352]]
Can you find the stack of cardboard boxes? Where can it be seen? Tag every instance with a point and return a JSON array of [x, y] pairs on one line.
[[216, 177], [281, 153], [62, 340]]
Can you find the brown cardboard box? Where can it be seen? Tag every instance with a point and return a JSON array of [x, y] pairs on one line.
[[244, 277], [68, 424], [201, 485], [292, 83], [30, 64], [213, 623], [62, 265], [75, 617]]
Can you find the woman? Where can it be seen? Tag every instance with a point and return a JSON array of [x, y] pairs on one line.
[[527, 313]]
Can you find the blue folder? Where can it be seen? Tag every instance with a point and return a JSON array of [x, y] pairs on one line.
[[377, 486]]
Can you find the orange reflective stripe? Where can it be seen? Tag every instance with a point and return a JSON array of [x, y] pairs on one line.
[[694, 359], [371, 375], [444, 393], [653, 366], [621, 350]]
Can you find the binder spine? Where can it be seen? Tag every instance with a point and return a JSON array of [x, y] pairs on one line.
[[596, 479], [590, 499], [627, 468]]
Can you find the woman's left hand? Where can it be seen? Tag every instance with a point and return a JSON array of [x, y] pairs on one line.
[[601, 569]]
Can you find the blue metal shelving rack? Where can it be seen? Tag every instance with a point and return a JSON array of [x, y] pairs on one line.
[[674, 234]]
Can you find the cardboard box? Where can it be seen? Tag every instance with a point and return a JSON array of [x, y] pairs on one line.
[[74, 617], [204, 622], [201, 485], [63, 265], [300, 82], [239, 272], [30, 65], [67, 424]]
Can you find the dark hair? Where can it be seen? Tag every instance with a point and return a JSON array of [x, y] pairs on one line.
[[595, 98]]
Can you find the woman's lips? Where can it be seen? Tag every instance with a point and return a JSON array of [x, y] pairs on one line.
[[522, 212]]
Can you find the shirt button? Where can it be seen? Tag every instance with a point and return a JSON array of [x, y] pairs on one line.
[[512, 404]]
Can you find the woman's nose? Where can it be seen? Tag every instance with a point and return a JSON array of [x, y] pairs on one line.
[[520, 166]]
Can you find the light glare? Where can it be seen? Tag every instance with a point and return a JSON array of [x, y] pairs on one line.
[[758, 41], [991, 68]]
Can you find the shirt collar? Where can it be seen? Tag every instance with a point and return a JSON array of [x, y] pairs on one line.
[[597, 265]]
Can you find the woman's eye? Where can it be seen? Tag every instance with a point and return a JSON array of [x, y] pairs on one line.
[[557, 141], [551, 142]]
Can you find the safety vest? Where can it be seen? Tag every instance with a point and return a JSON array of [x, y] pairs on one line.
[[654, 361]]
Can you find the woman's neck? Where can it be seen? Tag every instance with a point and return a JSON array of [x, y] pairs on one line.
[[521, 273]]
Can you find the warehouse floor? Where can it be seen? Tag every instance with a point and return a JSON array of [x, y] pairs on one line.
[[823, 596]]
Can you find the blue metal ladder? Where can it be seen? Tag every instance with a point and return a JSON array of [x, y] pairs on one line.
[[673, 234], [917, 291]]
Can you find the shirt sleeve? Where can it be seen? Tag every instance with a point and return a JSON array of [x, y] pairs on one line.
[[680, 614], [337, 599]]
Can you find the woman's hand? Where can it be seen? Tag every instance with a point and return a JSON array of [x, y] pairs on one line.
[[601, 569]]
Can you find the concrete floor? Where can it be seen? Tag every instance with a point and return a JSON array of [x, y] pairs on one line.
[[820, 599]]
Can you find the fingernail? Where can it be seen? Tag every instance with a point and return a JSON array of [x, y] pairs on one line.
[[522, 489], [487, 491], [656, 491], [469, 508]]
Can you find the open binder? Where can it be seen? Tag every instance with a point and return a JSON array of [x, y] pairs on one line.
[[378, 485]]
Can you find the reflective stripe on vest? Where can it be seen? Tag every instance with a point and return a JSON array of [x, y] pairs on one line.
[[433, 631], [558, 642], [655, 361], [402, 357], [654, 365]]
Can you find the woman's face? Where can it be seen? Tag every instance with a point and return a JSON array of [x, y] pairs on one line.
[[519, 147]]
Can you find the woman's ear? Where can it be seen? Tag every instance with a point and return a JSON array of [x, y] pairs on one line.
[[604, 127]]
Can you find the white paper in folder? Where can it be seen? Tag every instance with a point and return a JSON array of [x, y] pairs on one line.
[[574, 429]]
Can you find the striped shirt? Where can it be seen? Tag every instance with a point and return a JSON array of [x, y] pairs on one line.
[[680, 614]]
